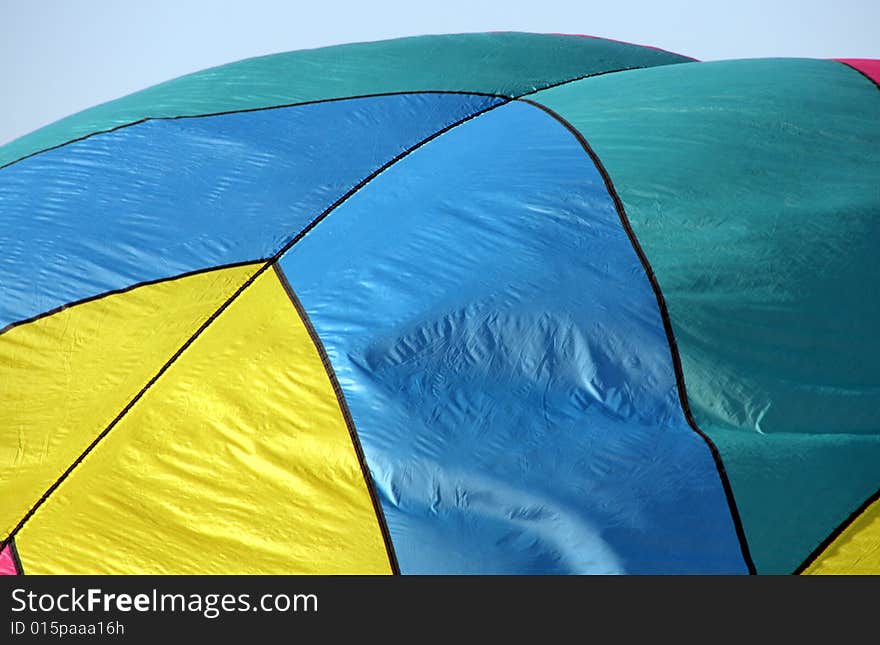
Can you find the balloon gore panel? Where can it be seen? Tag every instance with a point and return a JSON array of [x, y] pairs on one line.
[[166, 197], [755, 198], [507, 64], [65, 377], [505, 364], [238, 460], [556, 304]]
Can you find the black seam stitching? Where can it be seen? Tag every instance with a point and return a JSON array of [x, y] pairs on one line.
[[296, 104], [366, 180], [211, 318], [281, 106], [667, 327], [16, 558], [836, 533], [114, 292], [251, 280], [137, 397], [502, 102], [856, 69], [346, 413]]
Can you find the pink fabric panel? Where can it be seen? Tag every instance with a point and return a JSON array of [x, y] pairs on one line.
[[7, 563], [867, 66]]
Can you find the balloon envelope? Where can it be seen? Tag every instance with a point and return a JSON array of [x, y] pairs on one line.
[[482, 303]]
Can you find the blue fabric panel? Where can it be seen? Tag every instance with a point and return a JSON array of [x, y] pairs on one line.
[[505, 363], [165, 197]]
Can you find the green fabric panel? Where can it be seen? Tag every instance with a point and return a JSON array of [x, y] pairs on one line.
[[754, 188], [495, 63]]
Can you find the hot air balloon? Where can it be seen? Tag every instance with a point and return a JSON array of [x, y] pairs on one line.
[[481, 303]]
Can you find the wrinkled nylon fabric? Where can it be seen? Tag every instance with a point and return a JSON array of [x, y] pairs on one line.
[[237, 460], [65, 377], [493, 329], [753, 188], [166, 197], [505, 364], [498, 63]]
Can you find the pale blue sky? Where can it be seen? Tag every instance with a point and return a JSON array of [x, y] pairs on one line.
[[58, 57]]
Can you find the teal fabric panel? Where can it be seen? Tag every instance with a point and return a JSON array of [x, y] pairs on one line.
[[754, 188], [497, 63], [793, 489]]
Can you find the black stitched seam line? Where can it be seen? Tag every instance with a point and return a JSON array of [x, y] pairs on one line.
[[836, 533], [346, 413], [137, 397], [296, 238], [122, 126], [114, 292], [220, 310], [366, 180], [251, 280], [16, 558], [502, 101], [281, 106], [667, 327], [865, 74]]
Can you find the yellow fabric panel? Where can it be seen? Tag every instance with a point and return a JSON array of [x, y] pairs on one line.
[[856, 550], [63, 378], [237, 460]]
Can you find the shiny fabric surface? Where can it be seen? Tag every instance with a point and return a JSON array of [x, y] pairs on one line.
[[754, 188], [166, 197], [476, 303], [506, 63], [505, 364]]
